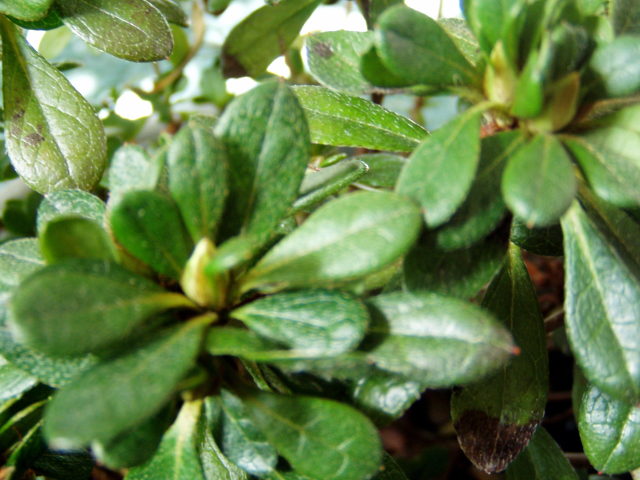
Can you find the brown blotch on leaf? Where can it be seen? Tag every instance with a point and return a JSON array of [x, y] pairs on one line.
[[323, 50], [232, 68], [18, 115], [490, 444], [34, 139]]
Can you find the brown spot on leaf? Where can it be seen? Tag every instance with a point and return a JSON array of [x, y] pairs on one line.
[[18, 115], [34, 139], [232, 68], [323, 50], [490, 444]]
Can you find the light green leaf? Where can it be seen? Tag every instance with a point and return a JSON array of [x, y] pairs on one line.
[[29, 10], [53, 136], [601, 301], [177, 458], [132, 169], [342, 120], [75, 237], [264, 35], [435, 340], [612, 66], [130, 29], [103, 304], [495, 417], [268, 144], [345, 239], [609, 431], [384, 169], [317, 322], [487, 19], [90, 409], [65, 203], [538, 184], [319, 438], [458, 30], [149, 226], [333, 58], [172, 11], [417, 49], [430, 179], [239, 342], [18, 259], [13, 381], [541, 460]]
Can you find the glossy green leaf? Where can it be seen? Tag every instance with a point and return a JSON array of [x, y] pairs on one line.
[[172, 11], [242, 442], [29, 10], [538, 183], [539, 241], [342, 120], [75, 237], [50, 21], [436, 340], [384, 169], [197, 164], [609, 431], [149, 226], [317, 322], [608, 156], [333, 58], [268, 144], [416, 48], [496, 417], [601, 301], [65, 203], [264, 35], [177, 458], [345, 239], [130, 29], [430, 179], [132, 169], [541, 460], [13, 381], [319, 438], [53, 135], [90, 409], [613, 68], [103, 305]]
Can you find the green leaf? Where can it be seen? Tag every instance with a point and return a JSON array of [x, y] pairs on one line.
[[612, 66], [75, 237], [343, 120], [268, 144], [433, 339], [487, 19], [132, 169], [541, 460], [416, 48], [53, 136], [608, 156], [538, 183], [344, 239], [458, 30], [372, 9], [317, 322], [428, 176], [333, 58], [172, 11], [198, 179], [389, 470], [539, 241], [625, 16], [177, 458], [242, 442], [90, 409], [18, 259], [264, 35], [149, 226], [376, 73], [384, 169], [130, 29], [495, 417], [246, 344], [103, 304], [65, 203], [13, 381], [319, 438], [29, 10], [601, 302], [609, 431]]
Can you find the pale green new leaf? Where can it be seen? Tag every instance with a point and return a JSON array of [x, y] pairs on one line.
[[29, 10]]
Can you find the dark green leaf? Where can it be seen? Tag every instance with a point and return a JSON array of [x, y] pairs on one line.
[[495, 417], [149, 226], [384, 169], [19, 214], [267, 141], [264, 35], [103, 304], [172, 11], [541, 460], [389, 470], [343, 240], [343, 120], [29, 10], [610, 431], [198, 179], [13, 381], [317, 322], [539, 241], [91, 409], [613, 67], [131, 29], [333, 58], [538, 183], [177, 458], [372, 9], [416, 48], [65, 203], [601, 302], [54, 138], [436, 340], [67, 465], [242, 442], [320, 438], [75, 237], [132, 169], [376, 73], [429, 177]]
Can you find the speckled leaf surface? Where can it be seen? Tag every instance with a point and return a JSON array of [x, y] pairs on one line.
[[13, 381], [64, 203], [29, 10], [172, 11], [132, 169]]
